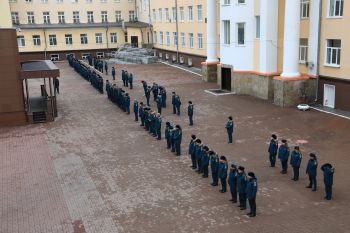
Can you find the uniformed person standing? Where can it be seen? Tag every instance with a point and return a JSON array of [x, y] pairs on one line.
[[56, 85], [295, 161], [136, 110], [223, 173], [198, 153], [127, 103], [106, 68], [173, 102], [178, 105], [229, 128], [311, 171], [191, 151], [123, 77], [252, 188], [273, 148], [232, 181], [148, 94], [205, 162], [126, 79], [283, 155], [214, 167], [163, 94], [177, 139], [144, 85], [241, 188], [155, 91], [141, 112], [113, 73], [159, 126], [190, 112], [131, 80], [159, 104], [328, 172], [167, 134]]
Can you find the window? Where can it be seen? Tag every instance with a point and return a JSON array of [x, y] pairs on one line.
[[199, 13], [30, 16], [126, 37], [113, 37], [14, 17], [182, 14], [303, 50], [241, 1], [167, 14], [76, 18], [173, 10], [88, 1], [167, 38], [74, 1], [12, 1], [59, 1], [28, 1], [257, 27], [333, 52], [154, 15], [118, 16], [90, 16], [336, 8], [85, 55], [190, 13], [200, 40], [227, 32], [190, 40], [182, 39], [103, 1], [240, 33], [98, 37], [83, 39], [175, 38], [36, 40], [52, 40], [227, 2], [46, 16], [160, 37], [69, 39], [160, 14], [304, 9], [44, 1], [100, 54], [117, 1], [20, 41], [55, 57], [104, 16], [155, 37], [131, 16], [61, 18]]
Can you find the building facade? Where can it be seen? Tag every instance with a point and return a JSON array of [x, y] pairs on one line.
[[52, 29]]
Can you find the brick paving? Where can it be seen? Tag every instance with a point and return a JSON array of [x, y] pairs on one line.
[[95, 170]]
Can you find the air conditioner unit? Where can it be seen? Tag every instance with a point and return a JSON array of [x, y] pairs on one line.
[[309, 64]]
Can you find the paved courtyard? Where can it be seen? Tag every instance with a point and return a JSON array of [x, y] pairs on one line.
[[95, 170]]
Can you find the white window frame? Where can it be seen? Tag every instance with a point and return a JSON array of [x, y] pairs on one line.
[[30, 17], [14, 18], [61, 17], [303, 51], [118, 16], [68, 38], [173, 10], [227, 32], [190, 40], [190, 13], [160, 14], [104, 16], [199, 13], [241, 2], [84, 39], [161, 38], [113, 37], [155, 39], [304, 9], [98, 38], [90, 16], [100, 55], [238, 34], [331, 12], [46, 17], [332, 50], [200, 40], [154, 15], [175, 38], [257, 27], [131, 16], [182, 39], [36, 40], [167, 35], [182, 15], [167, 17], [53, 40], [76, 17], [55, 57], [227, 2], [21, 41]]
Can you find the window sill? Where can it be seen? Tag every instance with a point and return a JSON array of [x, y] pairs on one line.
[[332, 65], [225, 5], [226, 45], [302, 62], [241, 45], [334, 17], [304, 18]]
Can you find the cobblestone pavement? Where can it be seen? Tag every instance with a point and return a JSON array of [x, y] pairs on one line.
[[95, 170]]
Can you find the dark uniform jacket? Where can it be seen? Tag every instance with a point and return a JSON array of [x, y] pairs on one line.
[[252, 188]]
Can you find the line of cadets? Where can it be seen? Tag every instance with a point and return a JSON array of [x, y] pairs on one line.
[[241, 184], [89, 74], [283, 153]]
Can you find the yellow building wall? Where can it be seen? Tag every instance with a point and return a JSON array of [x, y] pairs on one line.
[[5, 14], [281, 9], [335, 28], [304, 33]]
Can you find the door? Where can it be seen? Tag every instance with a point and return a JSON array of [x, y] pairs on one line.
[[226, 79], [329, 96], [134, 41]]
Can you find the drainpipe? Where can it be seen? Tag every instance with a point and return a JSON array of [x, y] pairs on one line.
[[318, 50], [45, 42], [107, 28], [177, 34]]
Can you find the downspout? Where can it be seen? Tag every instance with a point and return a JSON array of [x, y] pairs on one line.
[[107, 28], [177, 34], [318, 51], [150, 23], [45, 42]]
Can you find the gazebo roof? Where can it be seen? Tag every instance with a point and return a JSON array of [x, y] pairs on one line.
[[39, 69]]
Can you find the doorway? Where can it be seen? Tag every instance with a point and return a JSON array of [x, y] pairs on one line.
[[134, 41], [226, 79], [329, 96]]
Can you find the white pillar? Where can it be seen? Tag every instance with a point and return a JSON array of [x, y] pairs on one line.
[[211, 31], [291, 39]]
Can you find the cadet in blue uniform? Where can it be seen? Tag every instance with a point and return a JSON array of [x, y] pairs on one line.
[[328, 172], [177, 139], [136, 110], [127, 103], [155, 91], [167, 134], [56, 85], [131, 80], [190, 112], [191, 151], [123, 77], [178, 105], [273, 148], [252, 188], [172, 141], [311, 170], [159, 104], [295, 161], [198, 153], [148, 94], [144, 85], [159, 126], [113, 73], [241, 188], [223, 173], [173, 102], [141, 112], [106, 68], [229, 128], [214, 167], [205, 162], [163, 94], [232, 181], [283, 155]]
